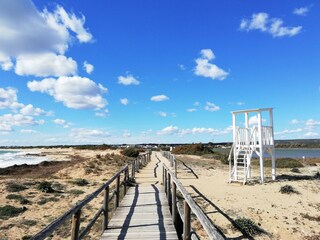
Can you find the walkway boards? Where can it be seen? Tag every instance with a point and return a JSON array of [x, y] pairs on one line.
[[143, 213]]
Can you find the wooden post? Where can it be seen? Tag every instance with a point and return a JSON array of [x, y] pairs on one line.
[[174, 203], [125, 182], [105, 209], [118, 191], [186, 223], [75, 225], [169, 190], [163, 176], [138, 162], [261, 147], [165, 180], [133, 169]]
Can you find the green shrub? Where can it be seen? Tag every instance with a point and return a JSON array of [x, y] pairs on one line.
[[76, 191], [80, 182], [280, 163], [14, 187], [8, 211], [130, 152], [287, 189], [295, 170], [26, 237], [46, 187], [43, 201], [19, 198], [192, 149], [29, 222], [248, 226]]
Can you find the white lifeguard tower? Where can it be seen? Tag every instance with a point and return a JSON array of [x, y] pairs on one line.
[[254, 139]]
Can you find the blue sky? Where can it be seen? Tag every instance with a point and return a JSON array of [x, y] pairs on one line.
[[137, 71]]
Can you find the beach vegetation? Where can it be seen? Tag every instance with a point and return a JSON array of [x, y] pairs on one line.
[[76, 191], [43, 201], [193, 149], [15, 187], [130, 152], [247, 226], [46, 187], [80, 182], [280, 163], [9, 211], [29, 222], [287, 189], [27, 237], [295, 170], [19, 198]]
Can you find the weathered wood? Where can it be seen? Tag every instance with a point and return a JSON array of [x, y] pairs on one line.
[[202, 217], [174, 204], [186, 222], [105, 208], [75, 225], [118, 191]]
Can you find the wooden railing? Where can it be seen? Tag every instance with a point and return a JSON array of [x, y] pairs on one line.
[[75, 212], [172, 159], [172, 184]]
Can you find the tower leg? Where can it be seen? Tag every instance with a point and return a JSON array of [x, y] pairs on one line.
[[273, 164]]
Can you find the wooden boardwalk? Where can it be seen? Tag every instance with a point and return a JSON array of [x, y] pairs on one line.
[[144, 211]]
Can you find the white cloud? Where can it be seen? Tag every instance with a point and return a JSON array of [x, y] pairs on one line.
[[5, 62], [254, 120], [43, 65], [28, 131], [173, 130], [103, 113], [198, 131], [289, 131], [124, 101], [19, 120], [9, 99], [38, 39], [205, 68], [162, 114], [34, 111], [311, 123], [128, 80], [301, 11], [182, 67], [75, 92], [61, 122], [159, 98], [4, 127], [211, 107], [196, 104], [83, 133], [311, 134], [72, 22], [170, 130], [88, 67], [240, 103], [191, 110], [294, 121], [274, 26], [126, 135]]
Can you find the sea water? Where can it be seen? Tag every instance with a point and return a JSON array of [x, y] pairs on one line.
[[10, 158]]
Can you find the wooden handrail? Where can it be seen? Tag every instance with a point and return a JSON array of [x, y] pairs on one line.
[[190, 204], [75, 212]]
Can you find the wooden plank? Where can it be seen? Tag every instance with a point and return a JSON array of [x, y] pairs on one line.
[[143, 212]]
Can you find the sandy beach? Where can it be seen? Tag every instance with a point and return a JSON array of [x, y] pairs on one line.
[[281, 216]]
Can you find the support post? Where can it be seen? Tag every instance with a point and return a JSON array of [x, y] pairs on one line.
[[118, 191], [273, 158], [235, 162], [169, 190], [105, 209], [260, 147], [174, 203], [75, 225], [186, 223], [125, 182], [133, 169]]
